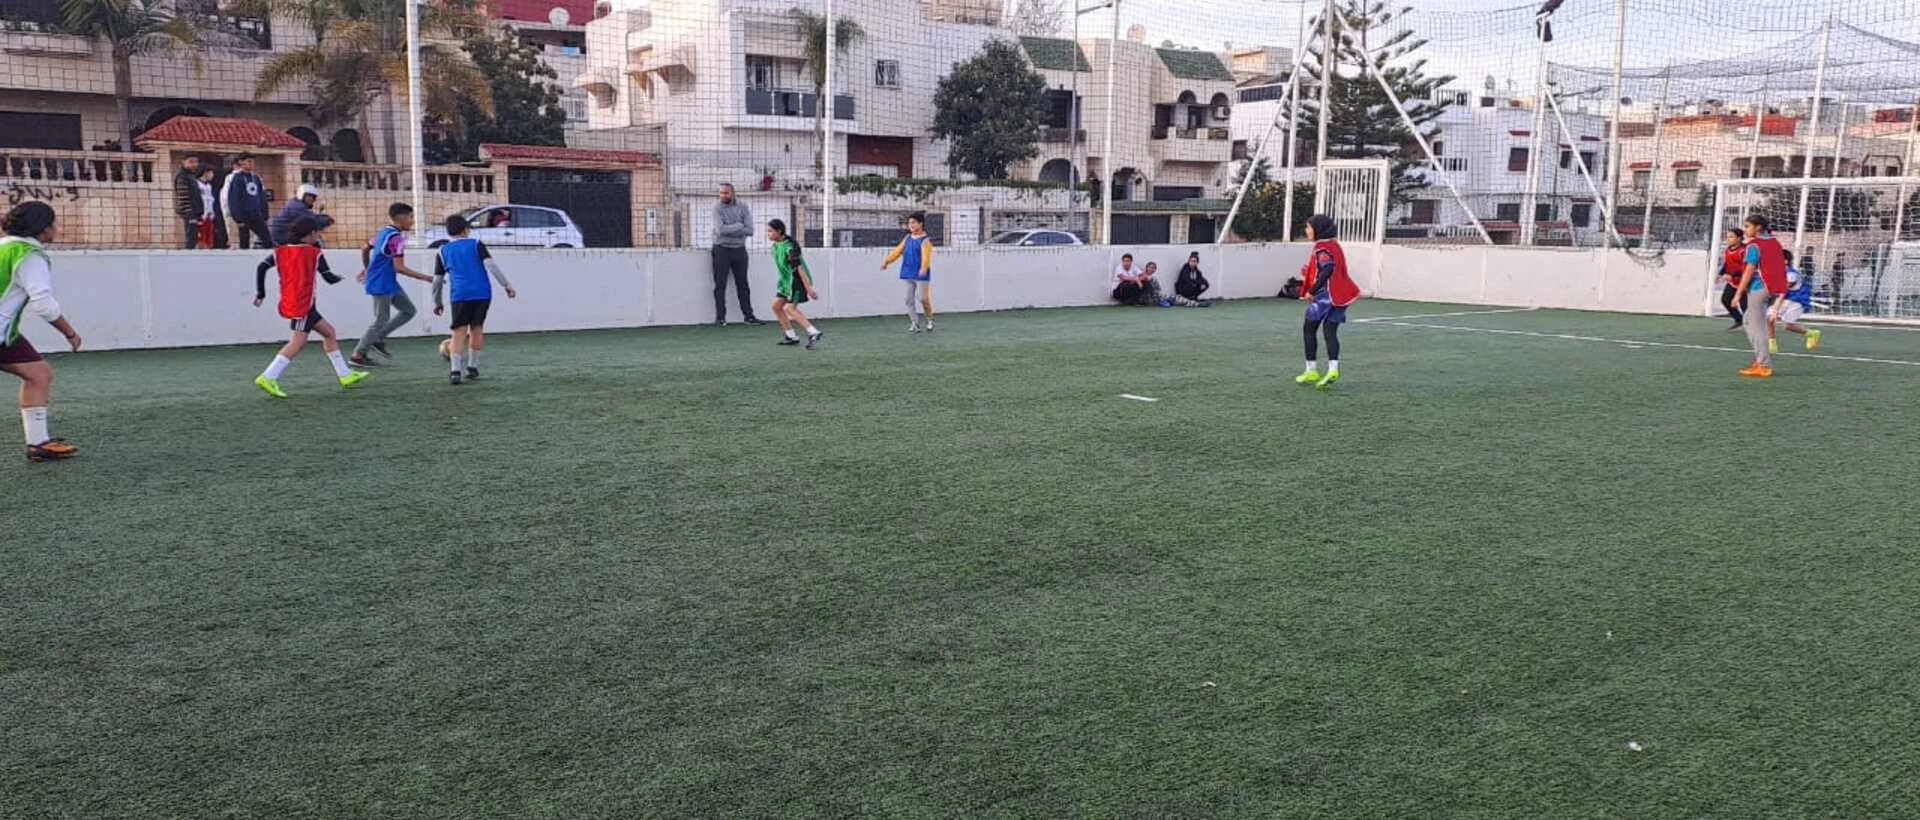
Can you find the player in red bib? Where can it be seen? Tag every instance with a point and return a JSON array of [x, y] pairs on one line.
[[300, 261], [1764, 281], [1328, 291]]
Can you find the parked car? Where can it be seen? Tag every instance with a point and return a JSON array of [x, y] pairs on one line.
[[1034, 239], [523, 226]]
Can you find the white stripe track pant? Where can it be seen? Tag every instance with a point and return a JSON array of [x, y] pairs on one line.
[[919, 300]]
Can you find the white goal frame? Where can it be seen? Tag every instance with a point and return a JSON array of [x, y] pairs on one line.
[[1884, 287]]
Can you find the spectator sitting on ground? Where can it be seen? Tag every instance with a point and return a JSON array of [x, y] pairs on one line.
[[1135, 287], [1188, 289]]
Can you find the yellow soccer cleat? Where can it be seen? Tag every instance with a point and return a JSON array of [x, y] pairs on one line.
[[1309, 377], [353, 377], [271, 386], [1813, 339]]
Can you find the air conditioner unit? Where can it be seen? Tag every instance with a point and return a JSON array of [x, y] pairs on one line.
[[1221, 112]]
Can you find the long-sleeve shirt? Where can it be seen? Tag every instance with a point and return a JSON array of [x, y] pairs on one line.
[[186, 196], [918, 253], [244, 196], [294, 209], [30, 288], [732, 224], [1191, 283], [472, 264], [260, 274]]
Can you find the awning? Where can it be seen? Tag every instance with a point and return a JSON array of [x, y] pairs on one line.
[[597, 80]]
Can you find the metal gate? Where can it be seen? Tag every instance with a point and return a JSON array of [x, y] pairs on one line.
[[1355, 192], [600, 202]]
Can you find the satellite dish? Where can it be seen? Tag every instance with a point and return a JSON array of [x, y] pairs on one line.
[[559, 16], [602, 9]]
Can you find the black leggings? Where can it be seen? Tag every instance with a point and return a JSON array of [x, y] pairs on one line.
[[1730, 299], [1332, 332]]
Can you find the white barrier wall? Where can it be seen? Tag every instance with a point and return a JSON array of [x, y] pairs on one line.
[[135, 299]]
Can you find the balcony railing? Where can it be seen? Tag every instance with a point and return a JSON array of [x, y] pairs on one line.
[[1161, 132], [28, 166], [1053, 133], [782, 103]]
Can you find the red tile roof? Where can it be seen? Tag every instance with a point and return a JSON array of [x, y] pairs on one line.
[[551, 153], [220, 131]]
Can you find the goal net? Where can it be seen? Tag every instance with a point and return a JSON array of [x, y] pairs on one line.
[[1856, 240]]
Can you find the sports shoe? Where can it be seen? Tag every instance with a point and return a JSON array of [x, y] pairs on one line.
[[1735, 328], [815, 337], [1773, 345], [272, 386], [1309, 377], [454, 377], [929, 327], [1813, 338], [473, 374], [755, 322], [1326, 382], [381, 349], [719, 323], [353, 377], [52, 449], [1757, 372], [363, 360], [788, 341], [913, 327]]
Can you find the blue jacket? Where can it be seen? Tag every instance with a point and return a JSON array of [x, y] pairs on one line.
[[246, 197], [294, 209]]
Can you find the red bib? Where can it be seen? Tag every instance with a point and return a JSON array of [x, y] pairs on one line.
[[1773, 265], [298, 265], [1342, 290]]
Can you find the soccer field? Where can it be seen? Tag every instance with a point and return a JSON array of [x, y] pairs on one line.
[[1521, 564]]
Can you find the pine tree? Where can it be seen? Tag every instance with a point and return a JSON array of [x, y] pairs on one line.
[[1363, 123], [1263, 213], [1036, 18]]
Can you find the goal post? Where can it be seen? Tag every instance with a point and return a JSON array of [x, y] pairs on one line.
[[1857, 240]]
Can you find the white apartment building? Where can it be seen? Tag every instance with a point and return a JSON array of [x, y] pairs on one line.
[[1484, 146]]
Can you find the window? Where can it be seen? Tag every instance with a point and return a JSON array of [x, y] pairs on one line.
[[1507, 212], [1566, 159], [1426, 211], [1642, 180], [30, 129], [763, 73], [1439, 148], [1586, 158], [1486, 102], [575, 103], [1517, 159], [1543, 212], [1582, 214], [886, 73], [535, 218], [1686, 178]]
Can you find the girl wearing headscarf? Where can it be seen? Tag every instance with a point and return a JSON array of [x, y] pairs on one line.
[[1328, 290]]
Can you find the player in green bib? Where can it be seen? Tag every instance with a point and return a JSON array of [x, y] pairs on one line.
[[796, 286], [26, 286]]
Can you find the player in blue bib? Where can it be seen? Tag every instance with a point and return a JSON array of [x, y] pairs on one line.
[[915, 255], [382, 263], [463, 266], [1788, 312]]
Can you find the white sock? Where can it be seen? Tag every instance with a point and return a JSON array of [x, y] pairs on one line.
[[473, 358], [339, 364], [33, 421], [1312, 366], [455, 359], [790, 334], [278, 368], [1333, 365], [811, 331]]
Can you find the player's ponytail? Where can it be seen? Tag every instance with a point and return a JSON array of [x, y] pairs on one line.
[[29, 219]]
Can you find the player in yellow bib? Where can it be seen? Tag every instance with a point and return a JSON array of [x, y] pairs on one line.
[[26, 284]]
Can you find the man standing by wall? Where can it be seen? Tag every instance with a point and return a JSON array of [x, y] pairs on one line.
[[245, 196], [732, 224], [187, 204]]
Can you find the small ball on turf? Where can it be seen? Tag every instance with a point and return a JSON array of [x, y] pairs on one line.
[[446, 349]]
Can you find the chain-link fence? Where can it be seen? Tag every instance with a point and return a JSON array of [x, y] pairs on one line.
[[1031, 122]]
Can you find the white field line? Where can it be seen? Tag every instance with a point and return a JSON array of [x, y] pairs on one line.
[[1642, 343], [1445, 315], [1133, 397]]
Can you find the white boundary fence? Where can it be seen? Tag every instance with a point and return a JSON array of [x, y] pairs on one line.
[[146, 299]]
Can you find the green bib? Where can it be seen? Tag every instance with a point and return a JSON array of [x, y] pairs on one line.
[[13, 251]]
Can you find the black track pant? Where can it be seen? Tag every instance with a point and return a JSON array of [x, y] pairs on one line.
[[1311, 332]]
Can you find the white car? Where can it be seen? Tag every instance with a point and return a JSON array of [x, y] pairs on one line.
[[523, 226], [1034, 239]]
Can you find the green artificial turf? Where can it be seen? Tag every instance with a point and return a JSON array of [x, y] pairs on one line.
[[685, 573]]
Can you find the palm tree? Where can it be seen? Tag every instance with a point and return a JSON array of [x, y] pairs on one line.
[[132, 28], [359, 57], [813, 33]]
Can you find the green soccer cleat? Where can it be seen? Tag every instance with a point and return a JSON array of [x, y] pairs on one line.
[[271, 386], [1773, 345], [1813, 339], [1326, 382], [1309, 377], [353, 377]]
